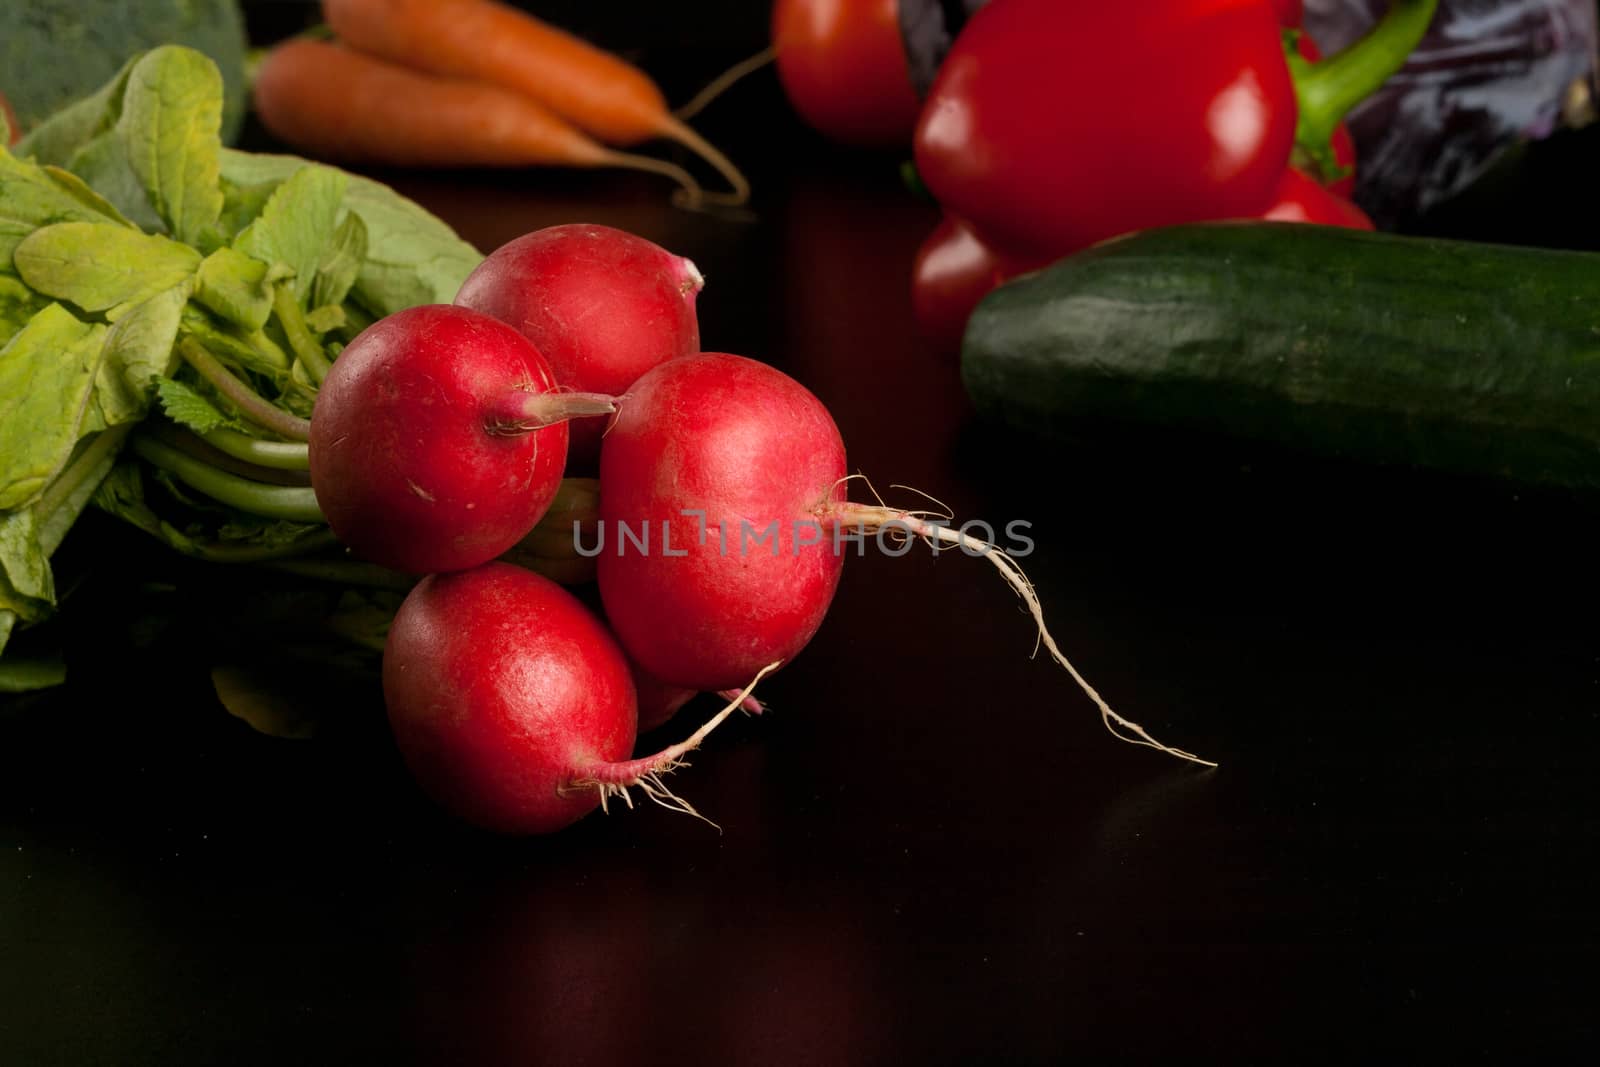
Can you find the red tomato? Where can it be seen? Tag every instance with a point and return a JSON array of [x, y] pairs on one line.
[[843, 68], [955, 269], [1290, 12], [1302, 199]]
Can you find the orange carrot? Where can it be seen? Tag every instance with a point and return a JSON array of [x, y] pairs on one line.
[[487, 41], [342, 105]]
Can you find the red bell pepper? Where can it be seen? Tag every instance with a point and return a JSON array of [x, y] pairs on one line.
[[1301, 198], [1055, 124]]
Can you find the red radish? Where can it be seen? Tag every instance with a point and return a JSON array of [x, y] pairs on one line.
[[512, 705], [438, 439], [739, 472], [659, 702], [600, 304]]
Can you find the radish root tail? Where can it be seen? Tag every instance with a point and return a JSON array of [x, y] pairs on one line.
[[914, 523], [615, 779]]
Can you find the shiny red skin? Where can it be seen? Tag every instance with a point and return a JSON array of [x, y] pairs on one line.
[[843, 67], [953, 270], [600, 304], [746, 444], [1290, 12], [403, 462], [501, 689], [1302, 199], [1052, 126]]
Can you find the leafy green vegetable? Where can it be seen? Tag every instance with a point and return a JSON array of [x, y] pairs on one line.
[[128, 234], [297, 224], [413, 257], [101, 266], [103, 164], [170, 130], [237, 287], [79, 189], [18, 304], [29, 199], [187, 407], [47, 372], [138, 352]]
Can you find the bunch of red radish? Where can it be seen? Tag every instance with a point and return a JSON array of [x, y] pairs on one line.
[[439, 440]]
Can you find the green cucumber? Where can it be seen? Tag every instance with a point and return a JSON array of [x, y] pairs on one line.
[[1470, 357]]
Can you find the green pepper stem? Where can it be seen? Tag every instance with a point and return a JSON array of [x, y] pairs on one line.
[[255, 407], [1326, 91], [293, 503]]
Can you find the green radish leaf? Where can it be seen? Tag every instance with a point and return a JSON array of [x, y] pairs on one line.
[[171, 130], [243, 204], [31, 198], [101, 266], [412, 258], [27, 588], [235, 287], [325, 318], [103, 164], [253, 351], [187, 407], [79, 190], [138, 353], [18, 304], [47, 374], [297, 224], [341, 264]]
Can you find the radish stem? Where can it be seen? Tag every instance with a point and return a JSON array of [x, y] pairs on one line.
[[521, 411], [279, 455], [307, 349], [292, 503], [259, 410]]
